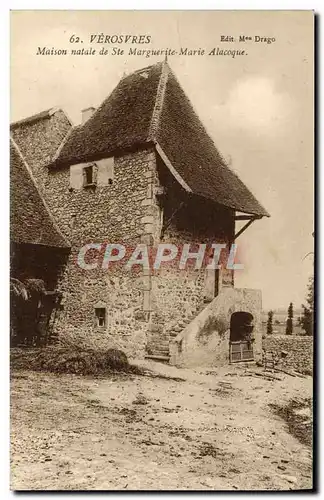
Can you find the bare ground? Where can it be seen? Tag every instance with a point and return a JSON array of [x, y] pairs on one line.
[[215, 430]]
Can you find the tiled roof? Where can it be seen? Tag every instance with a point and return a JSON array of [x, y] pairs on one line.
[[30, 219], [147, 107], [39, 137], [34, 118]]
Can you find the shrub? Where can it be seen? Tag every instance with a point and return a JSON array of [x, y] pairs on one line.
[[78, 341], [269, 323], [66, 360], [289, 322]]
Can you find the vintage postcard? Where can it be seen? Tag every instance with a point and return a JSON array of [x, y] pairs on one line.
[[162, 250]]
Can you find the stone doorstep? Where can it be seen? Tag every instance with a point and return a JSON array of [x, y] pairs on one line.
[[163, 338], [164, 343], [158, 346], [156, 340], [160, 351], [165, 359], [158, 354]]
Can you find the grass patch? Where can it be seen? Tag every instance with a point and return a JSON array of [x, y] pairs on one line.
[[60, 359], [81, 361]]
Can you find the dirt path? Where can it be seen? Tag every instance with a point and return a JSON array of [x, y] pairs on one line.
[[211, 431]]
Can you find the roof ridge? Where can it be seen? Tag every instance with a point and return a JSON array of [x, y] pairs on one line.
[[47, 113], [42, 115], [59, 149], [136, 72], [146, 68], [56, 227], [159, 101]]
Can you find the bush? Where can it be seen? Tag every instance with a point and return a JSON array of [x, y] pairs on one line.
[[78, 341], [66, 360], [75, 353], [269, 323]]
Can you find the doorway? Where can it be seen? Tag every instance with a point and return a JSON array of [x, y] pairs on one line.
[[241, 340], [216, 282], [211, 284]]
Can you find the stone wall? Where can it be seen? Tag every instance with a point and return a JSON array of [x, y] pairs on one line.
[[299, 349], [116, 213], [129, 211], [178, 295], [205, 341], [38, 143]]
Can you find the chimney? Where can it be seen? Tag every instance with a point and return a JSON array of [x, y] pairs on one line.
[[87, 113]]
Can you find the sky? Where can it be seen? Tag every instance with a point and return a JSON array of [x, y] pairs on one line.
[[258, 109]]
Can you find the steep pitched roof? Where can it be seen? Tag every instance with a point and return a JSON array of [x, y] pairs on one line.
[[122, 121], [39, 136], [149, 106], [34, 118], [30, 219]]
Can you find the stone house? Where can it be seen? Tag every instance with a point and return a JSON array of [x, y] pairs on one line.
[[141, 169], [38, 249]]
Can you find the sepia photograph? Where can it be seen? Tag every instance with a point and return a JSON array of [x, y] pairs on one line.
[[162, 250]]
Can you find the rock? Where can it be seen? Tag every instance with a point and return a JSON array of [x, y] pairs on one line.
[[290, 479]]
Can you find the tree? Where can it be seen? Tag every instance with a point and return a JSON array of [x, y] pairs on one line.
[[289, 324], [269, 323], [310, 293], [307, 318]]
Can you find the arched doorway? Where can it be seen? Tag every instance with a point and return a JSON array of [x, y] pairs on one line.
[[241, 337]]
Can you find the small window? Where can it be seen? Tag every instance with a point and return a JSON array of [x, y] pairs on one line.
[[100, 316], [89, 175]]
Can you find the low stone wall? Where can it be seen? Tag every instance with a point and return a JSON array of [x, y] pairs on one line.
[[205, 341], [298, 347]]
